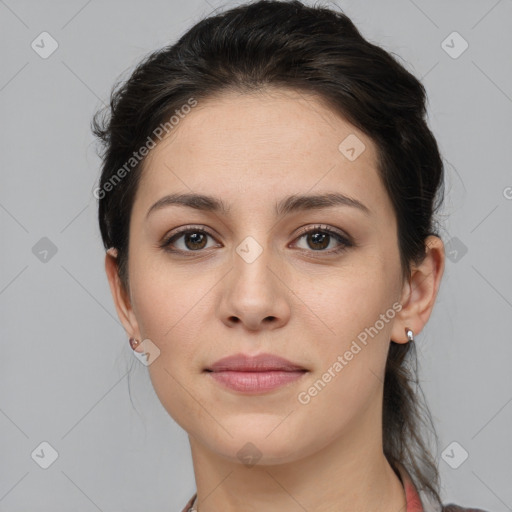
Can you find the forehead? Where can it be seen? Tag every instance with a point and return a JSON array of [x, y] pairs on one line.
[[262, 145]]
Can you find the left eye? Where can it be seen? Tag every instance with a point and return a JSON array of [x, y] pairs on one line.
[[318, 239], [320, 236]]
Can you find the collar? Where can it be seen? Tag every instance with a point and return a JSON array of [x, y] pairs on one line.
[[411, 494]]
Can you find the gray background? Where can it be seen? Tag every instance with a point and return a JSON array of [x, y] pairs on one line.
[[65, 364]]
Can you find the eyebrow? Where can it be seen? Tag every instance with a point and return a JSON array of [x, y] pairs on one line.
[[290, 204]]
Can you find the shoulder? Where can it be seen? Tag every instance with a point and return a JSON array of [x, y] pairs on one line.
[[456, 508]]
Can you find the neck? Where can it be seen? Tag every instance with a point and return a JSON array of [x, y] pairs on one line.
[[350, 474]]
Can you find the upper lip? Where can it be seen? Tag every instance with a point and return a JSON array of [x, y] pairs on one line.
[[258, 363]]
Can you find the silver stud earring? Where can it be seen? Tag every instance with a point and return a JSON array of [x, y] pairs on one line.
[[409, 333]]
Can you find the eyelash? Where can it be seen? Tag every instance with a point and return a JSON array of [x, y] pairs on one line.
[[345, 242]]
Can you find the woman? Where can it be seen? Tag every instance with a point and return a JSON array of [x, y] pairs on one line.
[[267, 202]]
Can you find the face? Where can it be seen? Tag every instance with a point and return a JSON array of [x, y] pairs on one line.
[[318, 286]]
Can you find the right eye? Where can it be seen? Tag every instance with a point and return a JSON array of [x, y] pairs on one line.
[[193, 238]]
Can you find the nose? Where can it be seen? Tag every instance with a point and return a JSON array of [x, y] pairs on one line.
[[254, 293]]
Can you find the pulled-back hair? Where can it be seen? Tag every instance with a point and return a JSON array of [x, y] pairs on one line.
[[313, 50]]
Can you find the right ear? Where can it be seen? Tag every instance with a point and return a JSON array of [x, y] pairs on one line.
[[121, 299]]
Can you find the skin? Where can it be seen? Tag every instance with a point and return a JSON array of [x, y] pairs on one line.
[[295, 300]]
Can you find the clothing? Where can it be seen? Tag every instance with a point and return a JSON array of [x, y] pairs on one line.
[[414, 503]]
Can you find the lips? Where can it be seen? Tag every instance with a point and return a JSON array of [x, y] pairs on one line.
[[258, 363], [255, 375]]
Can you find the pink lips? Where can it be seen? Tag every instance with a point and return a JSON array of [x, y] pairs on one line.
[[255, 374]]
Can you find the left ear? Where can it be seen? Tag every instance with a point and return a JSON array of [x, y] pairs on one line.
[[420, 292]]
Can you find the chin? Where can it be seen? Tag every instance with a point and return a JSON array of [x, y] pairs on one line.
[[261, 445]]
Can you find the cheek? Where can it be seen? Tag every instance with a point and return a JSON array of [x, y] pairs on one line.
[[348, 300], [349, 332], [168, 310], [350, 362], [163, 300]]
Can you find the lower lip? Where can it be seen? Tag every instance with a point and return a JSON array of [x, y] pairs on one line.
[[255, 382]]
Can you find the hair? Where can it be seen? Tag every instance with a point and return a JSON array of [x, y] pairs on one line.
[[312, 50]]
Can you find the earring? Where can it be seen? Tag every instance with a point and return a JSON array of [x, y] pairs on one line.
[[409, 333], [134, 343]]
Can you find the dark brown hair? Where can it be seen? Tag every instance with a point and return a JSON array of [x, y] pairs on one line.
[[314, 50]]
